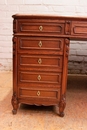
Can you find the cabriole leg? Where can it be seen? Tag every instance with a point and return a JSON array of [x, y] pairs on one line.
[[14, 102], [62, 105]]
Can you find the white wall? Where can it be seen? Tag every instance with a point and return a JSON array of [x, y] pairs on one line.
[[78, 50]]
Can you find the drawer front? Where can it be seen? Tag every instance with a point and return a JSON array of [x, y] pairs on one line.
[[79, 28], [39, 43], [39, 77], [39, 85], [23, 92], [26, 27], [40, 61]]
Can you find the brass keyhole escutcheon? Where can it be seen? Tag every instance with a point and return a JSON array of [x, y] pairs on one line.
[[38, 93], [40, 44], [40, 28], [39, 77], [39, 60]]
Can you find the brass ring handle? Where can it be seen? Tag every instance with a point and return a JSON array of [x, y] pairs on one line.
[[40, 28], [38, 93], [39, 61], [40, 44], [39, 77]]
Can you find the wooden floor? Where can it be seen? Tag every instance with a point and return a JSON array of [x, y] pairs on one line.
[[45, 118]]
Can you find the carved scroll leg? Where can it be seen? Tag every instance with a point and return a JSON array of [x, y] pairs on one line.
[[62, 105], [14, 102]]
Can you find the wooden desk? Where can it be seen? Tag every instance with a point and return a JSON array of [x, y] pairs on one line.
[[40, 56]]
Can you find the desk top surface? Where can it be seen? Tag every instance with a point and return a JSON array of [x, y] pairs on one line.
[[49, 16]]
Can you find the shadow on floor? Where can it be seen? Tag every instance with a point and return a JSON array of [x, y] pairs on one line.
[[74, 83], [77, 82]]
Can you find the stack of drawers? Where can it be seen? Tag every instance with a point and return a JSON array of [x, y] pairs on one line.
[[38, 61], [40, 70]]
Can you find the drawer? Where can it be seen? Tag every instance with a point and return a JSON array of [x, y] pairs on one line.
[[79, 28], [39, 85], [52, 94], [39, 61], [28, 44], [39, 77], [28, 27]]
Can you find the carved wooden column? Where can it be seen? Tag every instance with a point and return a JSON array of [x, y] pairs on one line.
[[62, 103], [14, 100]]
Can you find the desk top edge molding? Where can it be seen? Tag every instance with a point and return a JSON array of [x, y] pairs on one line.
[[49, 16]]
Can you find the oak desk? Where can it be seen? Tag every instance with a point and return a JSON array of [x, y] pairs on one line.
[[40, 57]]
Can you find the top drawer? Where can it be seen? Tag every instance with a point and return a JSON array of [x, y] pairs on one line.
[[32, 27], [79, 28]]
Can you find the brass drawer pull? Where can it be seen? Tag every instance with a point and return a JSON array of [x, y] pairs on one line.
[[40, 28], [39, 61], [39, 77], [38, 93], [40, 44]]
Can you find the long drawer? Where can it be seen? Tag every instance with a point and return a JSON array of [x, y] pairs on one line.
[[40, 45], [25, 26], [45, 94], [39, 85], [79, 28], [39, 77], [30, 62]]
